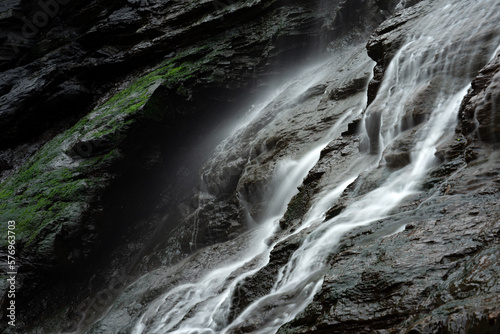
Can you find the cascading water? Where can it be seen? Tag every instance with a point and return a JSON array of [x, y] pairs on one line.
[[208, 300], [442, 53]]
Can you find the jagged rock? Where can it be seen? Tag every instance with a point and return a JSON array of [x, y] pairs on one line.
[[387, 40], [384, 47], [480, 110], [418, 280], [439, 273]]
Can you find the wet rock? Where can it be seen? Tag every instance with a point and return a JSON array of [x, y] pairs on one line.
[[311, 92], [397, 159], [334, 211], [480, 109], [107, 126], [261, 283], [356, 86], [384, 45], [398, 153], [338, 153], [420, 280], [353, 127], [386, 41], [368, 181], [247, 163], [410, 272], [300, 203]]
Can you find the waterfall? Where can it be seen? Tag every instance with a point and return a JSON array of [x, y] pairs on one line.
[[417, 104], [208, 299]]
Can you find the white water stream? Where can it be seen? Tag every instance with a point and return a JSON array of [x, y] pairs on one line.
[[210, 296], [438, 59]]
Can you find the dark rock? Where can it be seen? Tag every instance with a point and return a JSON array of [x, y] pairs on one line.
[[353, 128], [4, 165], [354, 87], [399, 288], [299, 204], [334, 211], [261, 283], [480, 110], [398, 159], [398, 153], [436, 275], [125, 87], [387, 40]]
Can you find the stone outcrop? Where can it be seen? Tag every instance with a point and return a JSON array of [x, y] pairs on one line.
[[480, 111]]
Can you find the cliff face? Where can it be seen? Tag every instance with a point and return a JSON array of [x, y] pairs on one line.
[[440, 274], [102, 101], [108, 110]]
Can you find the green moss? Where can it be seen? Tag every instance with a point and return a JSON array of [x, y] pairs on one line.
[[54, 185], [31, 202], [112, 115], [28, 194]]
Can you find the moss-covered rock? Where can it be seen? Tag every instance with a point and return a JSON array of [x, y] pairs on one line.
[[56, 188]]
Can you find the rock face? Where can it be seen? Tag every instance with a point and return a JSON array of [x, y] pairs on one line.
[[481, 107], [125, 87], [111, 176], [439, 273]]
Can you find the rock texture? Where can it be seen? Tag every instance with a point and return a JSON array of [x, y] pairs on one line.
[[438, 275], [439, 272], [103, 106], [481, 107], [96, 99]]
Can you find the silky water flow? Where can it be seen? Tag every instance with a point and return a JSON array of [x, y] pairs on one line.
[[442, 53]]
